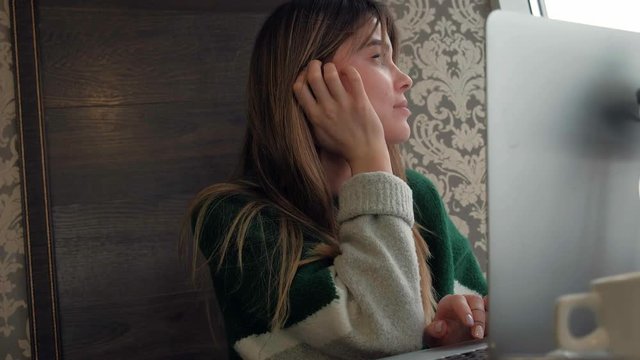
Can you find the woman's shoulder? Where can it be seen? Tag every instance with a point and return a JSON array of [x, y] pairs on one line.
[[219, 213], [222, 206], [425, 193], [429, 209], [220, 203]]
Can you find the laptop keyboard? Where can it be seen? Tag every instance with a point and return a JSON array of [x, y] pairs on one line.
[[480, 354]]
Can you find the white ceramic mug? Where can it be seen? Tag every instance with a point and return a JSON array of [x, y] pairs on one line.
[[615, 300]]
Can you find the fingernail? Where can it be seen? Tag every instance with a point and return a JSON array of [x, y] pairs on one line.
[[469, 319], [478, 332], [439, 327]]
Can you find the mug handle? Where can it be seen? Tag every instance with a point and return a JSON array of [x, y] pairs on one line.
[[598, 339]]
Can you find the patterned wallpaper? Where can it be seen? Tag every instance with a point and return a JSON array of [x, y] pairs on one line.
[[442, 48], [14, 337]]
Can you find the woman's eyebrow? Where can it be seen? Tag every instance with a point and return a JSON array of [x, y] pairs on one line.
[[375, 42]]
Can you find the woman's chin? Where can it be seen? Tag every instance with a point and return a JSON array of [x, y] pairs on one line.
[[399, 135]]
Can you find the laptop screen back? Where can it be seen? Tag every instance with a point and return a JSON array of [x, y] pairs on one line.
[[563, 168]]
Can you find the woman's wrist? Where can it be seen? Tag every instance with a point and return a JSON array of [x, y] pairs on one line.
[[373, 161]]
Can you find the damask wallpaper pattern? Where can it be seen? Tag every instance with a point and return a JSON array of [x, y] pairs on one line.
[[442, 48], [14, 337]]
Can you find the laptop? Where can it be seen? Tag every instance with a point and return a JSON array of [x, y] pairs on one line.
[[563, 139], [563, 175]]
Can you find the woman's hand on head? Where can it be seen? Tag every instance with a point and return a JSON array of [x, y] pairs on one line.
[[458, 318], [343, 119]]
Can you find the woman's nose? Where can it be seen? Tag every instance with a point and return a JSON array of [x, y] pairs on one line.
[[404, 81]]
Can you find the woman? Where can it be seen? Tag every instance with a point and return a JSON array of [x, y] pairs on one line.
[[314, 247]]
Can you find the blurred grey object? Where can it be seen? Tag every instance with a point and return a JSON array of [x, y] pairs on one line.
[[563, 167]]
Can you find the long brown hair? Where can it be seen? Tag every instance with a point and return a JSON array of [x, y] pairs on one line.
[[280, 153]]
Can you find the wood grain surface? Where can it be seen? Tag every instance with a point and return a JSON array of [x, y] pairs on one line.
[[144, 106]]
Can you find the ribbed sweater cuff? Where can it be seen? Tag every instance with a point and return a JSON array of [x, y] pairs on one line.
[[375, 193]]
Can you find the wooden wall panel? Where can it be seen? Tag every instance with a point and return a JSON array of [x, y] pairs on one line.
[[143, 107], [97, 57], [140, 151]]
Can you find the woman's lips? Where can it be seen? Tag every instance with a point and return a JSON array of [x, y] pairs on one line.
[[403, 109]]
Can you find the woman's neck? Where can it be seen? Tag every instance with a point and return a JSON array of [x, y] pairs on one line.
[[337, 170]]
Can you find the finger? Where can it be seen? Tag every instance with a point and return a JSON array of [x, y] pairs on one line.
[[436, 329], [355, 83], [461, 309], [486, 328], [334, 84], [476, 303], [316, 82], [304, 96], [486, 310]]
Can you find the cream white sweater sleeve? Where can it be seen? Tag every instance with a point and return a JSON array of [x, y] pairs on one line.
[[378, 310]]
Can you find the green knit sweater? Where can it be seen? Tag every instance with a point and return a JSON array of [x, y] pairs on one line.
[[366, 302]]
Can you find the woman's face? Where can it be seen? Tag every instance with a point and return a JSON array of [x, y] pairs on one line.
[[384, 83]]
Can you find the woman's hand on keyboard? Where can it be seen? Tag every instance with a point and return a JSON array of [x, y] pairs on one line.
[[458, 318]]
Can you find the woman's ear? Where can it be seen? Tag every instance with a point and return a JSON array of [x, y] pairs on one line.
[[345, 80]]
